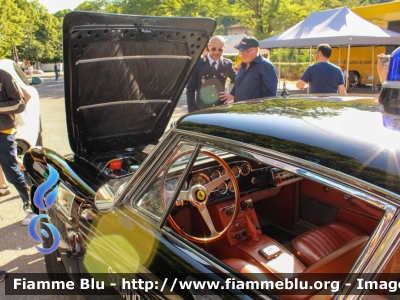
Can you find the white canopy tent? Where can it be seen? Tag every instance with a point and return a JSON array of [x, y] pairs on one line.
[[231, 41], [336, 27]]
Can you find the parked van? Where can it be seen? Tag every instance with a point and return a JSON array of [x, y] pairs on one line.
[[363, 60]]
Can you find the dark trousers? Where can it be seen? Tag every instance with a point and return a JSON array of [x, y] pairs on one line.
[[10, 166], [56, 75]]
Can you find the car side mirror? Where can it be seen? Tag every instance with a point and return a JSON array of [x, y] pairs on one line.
[[36, 80], [104, 199]]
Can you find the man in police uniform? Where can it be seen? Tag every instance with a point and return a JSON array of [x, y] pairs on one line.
[[209, 77]]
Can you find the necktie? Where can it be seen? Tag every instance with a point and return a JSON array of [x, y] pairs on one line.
[[213, 67]]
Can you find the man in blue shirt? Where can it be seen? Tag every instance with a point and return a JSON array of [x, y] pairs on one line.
[[323, 77], [256, 78]]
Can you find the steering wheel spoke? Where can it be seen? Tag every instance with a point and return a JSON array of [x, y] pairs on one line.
[[207, 218], [212, 185], [184, 195]]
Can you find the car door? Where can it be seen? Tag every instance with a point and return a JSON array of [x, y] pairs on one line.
[[131, 243]]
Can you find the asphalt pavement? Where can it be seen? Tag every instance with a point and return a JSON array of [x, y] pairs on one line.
[[17, 251]]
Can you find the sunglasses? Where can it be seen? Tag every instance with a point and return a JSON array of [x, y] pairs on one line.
[[219, 49]]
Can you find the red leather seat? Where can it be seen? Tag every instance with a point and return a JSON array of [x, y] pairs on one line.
[[316, 244]]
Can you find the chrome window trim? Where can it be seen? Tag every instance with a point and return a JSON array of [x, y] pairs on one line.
[[378, 260]]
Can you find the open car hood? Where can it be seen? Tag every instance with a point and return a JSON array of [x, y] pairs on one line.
[[124, 76]]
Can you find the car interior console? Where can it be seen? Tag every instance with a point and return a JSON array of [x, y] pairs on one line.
[[246, 241], [246, 223]]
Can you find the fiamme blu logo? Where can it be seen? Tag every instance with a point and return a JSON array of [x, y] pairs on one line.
[[44, 203]]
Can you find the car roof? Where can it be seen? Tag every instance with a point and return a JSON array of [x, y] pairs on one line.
[[348, 134]]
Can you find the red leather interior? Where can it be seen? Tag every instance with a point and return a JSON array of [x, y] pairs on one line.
[[364, 222], [314, 245], [341, 260], [284, 265], [331, 249], [221, 218], [351, 210]]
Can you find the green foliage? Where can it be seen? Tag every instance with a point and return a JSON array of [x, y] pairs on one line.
[[13, 20], [94, 5], [61, 13], [291, 71], [291, 55], [38, 34], [264, 17]]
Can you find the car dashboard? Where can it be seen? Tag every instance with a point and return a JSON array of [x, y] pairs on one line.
[[251, 176]]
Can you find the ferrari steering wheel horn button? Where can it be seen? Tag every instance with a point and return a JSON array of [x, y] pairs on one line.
[[198, 194]]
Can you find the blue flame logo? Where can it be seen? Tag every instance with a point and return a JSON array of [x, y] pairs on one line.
[[43, 188], [48, 202], [36, 237]]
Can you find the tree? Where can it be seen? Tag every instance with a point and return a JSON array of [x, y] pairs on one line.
[[37, 38], [43, 35], [269, 17], [61, 13], [12, 23], [94, 5]]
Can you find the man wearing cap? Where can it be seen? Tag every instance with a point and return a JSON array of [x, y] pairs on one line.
[[209, 77], [256, 78]]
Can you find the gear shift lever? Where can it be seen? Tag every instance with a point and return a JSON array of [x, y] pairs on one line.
[[252, 234]]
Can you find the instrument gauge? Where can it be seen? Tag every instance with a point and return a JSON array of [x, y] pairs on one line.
[[215, 174], [230, 186], [200, 178], [245, 169], [223, 188], [236, 171]]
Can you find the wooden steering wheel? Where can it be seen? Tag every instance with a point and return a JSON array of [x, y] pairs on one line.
[[198, 196]]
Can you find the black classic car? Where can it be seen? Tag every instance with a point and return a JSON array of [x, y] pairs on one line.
[[291, 198]]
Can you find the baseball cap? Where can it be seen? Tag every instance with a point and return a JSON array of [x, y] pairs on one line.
[[247, 42]]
